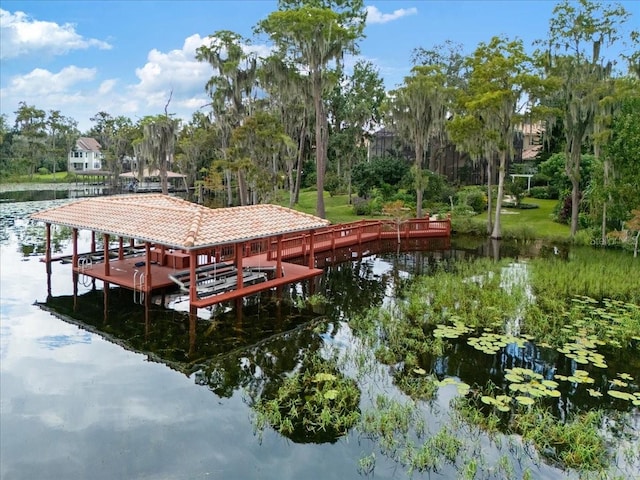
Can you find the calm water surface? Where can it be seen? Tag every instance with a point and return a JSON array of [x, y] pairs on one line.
[[110, 392]]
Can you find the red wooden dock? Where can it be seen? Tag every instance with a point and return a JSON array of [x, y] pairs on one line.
[[133, 273], [214, 255]]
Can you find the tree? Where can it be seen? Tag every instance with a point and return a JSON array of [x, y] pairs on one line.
[[578, 32], [450, 61], [289, 93], [499, 76], [115, 136], [29, 143], [310, 35], [63, 133], [231, 90], [156, 147], [258, 143], [355, 108], [417, 110], [622, 152], [195, 146]]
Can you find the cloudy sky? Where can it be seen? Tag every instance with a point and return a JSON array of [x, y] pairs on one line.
[[124, 57]]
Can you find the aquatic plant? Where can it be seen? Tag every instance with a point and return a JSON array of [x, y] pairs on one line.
[[316, 404]]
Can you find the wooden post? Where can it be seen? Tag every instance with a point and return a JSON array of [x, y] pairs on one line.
[[239, 250], [47, 248], [93, 241], [279, 258], [312, 249], [161, 259], [120, 248], [107, 266], [193, 288], [74, 256], [147, 269]]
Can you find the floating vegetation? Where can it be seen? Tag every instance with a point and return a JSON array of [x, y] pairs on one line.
[[582, 351], [621, 395], [501, 402], [451, 331], [315, 405], [462, 387], [531, 384], [491, 343]]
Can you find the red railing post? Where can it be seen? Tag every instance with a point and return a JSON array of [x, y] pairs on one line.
[[312, 253]]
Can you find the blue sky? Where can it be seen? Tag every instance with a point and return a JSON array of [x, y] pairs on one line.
[[125, 56]]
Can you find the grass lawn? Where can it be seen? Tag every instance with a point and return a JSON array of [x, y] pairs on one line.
[[538, 219], [59, 177], [337, 207]]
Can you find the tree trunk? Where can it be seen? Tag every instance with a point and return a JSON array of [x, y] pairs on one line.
[[321, 145], [227, 175], [575, 204], [501, 173], [163, 173], [419, 186], [573, 172], [604, 205], [489, 198], [243, 192], [296, 189]]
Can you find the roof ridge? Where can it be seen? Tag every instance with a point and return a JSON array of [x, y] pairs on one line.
[[193, 229]]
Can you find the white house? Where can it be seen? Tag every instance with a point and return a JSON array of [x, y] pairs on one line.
[[85, 156]]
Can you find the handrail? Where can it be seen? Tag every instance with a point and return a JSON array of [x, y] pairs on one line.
[[362, 229]]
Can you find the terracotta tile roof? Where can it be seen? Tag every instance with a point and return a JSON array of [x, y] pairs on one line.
[[175, 222]]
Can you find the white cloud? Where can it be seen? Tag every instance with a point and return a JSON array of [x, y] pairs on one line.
[[376, 16], [21, 35], [179, 72], [176, 70], [107, 86], [82, 92], [41, 82]]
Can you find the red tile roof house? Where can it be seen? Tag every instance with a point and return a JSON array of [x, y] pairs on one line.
[[85, 156]]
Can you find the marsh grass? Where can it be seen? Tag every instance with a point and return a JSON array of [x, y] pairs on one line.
[[587, 301], [591, 272]]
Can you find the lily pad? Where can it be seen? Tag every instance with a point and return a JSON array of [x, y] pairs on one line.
[[522, 400], [331, 394], [621, 395]]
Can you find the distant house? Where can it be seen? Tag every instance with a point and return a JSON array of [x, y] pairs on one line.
[[455, 165], [85, 156], [532, 140]]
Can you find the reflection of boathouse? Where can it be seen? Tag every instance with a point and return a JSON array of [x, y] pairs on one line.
[[213, 255]]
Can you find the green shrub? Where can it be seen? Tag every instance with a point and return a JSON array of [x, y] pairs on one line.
[[474, 197], [43, 171], [361, 206], [468, 225], [539, 192]]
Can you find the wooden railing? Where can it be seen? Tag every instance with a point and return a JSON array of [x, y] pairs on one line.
[[354, 233]]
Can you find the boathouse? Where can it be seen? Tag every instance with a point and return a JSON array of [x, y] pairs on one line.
[[157, 242]]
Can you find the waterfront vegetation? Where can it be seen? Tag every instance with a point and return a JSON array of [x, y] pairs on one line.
[[555, 376]]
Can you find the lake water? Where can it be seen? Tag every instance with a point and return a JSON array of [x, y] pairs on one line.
[[109, 391]]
